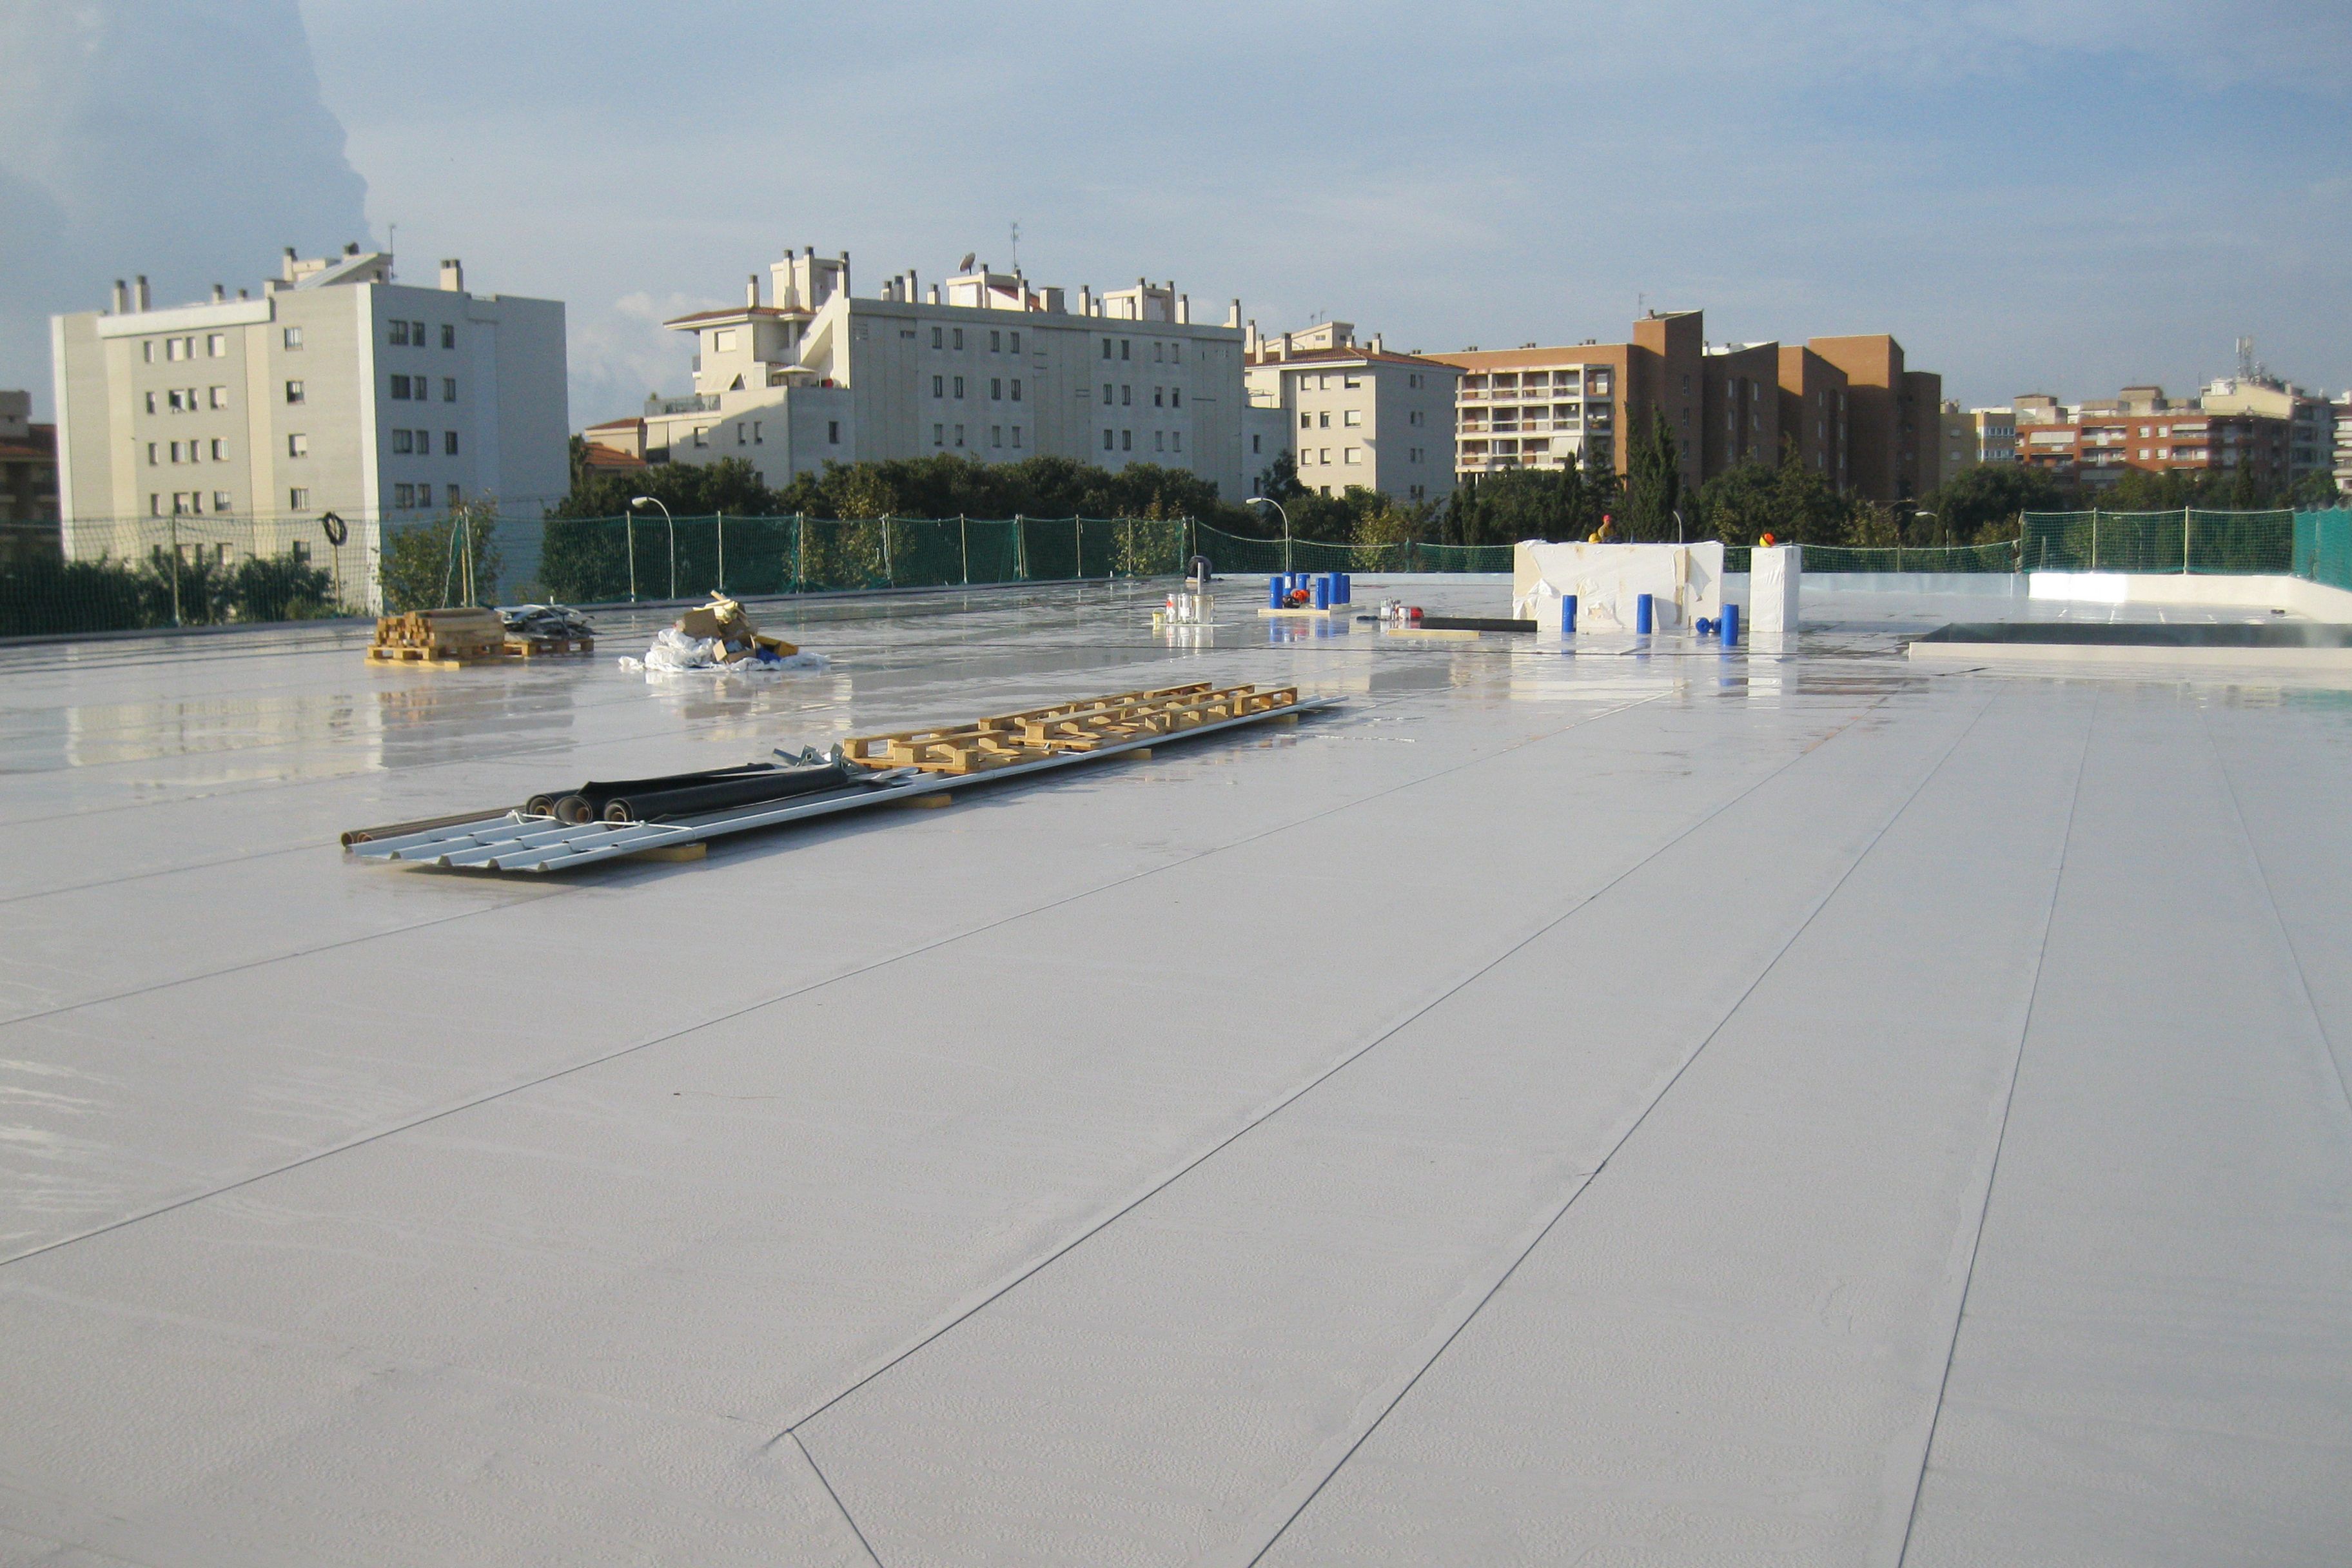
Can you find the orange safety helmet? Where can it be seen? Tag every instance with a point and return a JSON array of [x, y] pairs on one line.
[[1766, 540]]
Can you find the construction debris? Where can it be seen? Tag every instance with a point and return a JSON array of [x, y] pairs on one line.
[[439, 639], [635, 817], [720, 636]]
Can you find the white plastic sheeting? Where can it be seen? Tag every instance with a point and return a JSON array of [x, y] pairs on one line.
[[674, 653], [1684, 582]]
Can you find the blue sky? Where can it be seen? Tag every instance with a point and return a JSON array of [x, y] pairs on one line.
[[2046, 198]]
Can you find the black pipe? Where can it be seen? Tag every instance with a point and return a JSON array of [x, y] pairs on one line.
[[747, 788]]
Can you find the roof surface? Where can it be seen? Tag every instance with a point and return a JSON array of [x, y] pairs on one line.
[[1641, 1106]]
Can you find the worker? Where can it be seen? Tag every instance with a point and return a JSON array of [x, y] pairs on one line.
[[1606, 533], [1766, 542]]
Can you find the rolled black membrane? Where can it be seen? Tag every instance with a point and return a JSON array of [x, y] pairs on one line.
[[687, 794]]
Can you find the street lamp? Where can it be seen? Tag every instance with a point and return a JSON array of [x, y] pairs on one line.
[[1922, 512], [650, 500], [1264, 501]]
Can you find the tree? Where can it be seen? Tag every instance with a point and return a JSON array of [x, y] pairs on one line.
[[1280, 480], [1981, 505], [1654, 482], [425, 566]]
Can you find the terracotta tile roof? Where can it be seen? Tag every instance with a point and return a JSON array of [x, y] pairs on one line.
[[600, 457], [737, 313], [1333, 356]]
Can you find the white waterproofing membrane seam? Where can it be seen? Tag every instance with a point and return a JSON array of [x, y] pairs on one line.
[[996, 1291]]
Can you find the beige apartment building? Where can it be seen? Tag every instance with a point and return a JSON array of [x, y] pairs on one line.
[[1973, 438], [1353, 415], [1854, 410], [337, 389], [985, 365], [2308, 417]]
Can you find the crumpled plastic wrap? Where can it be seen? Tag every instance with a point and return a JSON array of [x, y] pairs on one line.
[[674, 653]]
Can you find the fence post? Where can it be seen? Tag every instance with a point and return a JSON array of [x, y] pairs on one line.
[[175, 568], [2184, 541], [629, 530], [800, 552], [2094, 539], [889, 572], [1020, 549], [722, 553], [1078, 535], [963, 538]]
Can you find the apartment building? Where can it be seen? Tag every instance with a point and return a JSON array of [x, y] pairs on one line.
[[2343, 407], [2101, 440], [1351, 415], [985, 365], [337, 389], [28, 480], [1855, 411], [2309, 418], [1975, 437]]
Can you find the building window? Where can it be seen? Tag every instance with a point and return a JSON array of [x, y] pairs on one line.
[[959, 387], [400, 389], [448, 389], [148, 353], [1159, 398], [996, 436], [996, 389], [1177, 440], [1326, 455], [294, 392], [397, 334], [1323, 420], [1355, 454], [150, 453], [957, 335], [700, 432], [297, 500], [1126, 440], [1107, 396], [1353, 416], [217, 345], [995, 342], [1305, 420], [416, 336], [449, 443], [1351, 380], [219, 397], [833, 432], [723, 340], [403, 495], [1160, 440], [1175, 397], [151, 403], [1106, 443], [1016, 389], [220, 500], [1176, 353], [958, 434], [452, 493], [936, 334], [938, 386], [293, 337], [402, 441], [939, 434], [1105, 343], [448, 336], [757, 439], [1412, 381], [1255, 448], [1126, 395], [1016, 437], [298, 444], [742, 434], [1124, 345], [175, 453], [176, 348], [1016, 348], [220, 450]]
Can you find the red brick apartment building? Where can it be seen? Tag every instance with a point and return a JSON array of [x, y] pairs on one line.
[[1856, 413], [2099, 442]]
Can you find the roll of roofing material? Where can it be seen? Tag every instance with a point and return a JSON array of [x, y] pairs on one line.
[[749, 788]]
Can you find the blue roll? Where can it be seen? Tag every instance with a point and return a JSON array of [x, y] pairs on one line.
[[1567, 616], [1273, 591], [1323, 591], [1730, 626], [1339, 589], [1641, 614]]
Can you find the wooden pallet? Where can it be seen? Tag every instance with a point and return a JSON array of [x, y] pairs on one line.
[[440, 656], [1001, 740], [548, 647]]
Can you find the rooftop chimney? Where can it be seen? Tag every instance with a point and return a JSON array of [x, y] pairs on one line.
[[844, 272], [350, 247], [914, 287], [138, 294], [1184, 309], [219, 293], [121, 297], [285, 268], [1281, 350], [1233, 314], [1376, 343], [453, 275], [1085, 299], [751, 290], [1251, 346]]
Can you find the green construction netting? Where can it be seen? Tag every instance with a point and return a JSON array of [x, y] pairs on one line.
[[2216, 543], [2322, 546]]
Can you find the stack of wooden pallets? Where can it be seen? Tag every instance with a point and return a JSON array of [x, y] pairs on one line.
[[439, 639], [1004, 739]]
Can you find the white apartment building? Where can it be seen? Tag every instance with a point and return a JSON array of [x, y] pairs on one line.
[[2342, 406], [337, 390], [985, 365], [1351, 415]]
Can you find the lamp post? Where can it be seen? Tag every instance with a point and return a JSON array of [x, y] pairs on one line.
[[651, 500], [1265, 501], [1922, 512]]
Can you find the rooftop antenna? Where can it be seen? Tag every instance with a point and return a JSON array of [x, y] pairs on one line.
[[392, 238], [2246, 359], [1016, 245], [1641, 304]]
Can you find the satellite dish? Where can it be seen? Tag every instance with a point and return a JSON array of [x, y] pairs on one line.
[[965, 265]]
